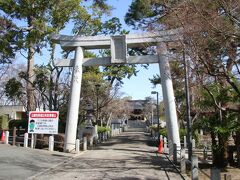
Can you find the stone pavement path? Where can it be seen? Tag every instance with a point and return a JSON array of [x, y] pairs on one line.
[[125, 157], [18, 163]]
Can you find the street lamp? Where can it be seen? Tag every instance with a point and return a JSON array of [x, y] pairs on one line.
[[188, 110], [97, 90], [151, 112], [155, 92]]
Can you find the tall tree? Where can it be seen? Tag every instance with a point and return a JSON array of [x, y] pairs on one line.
[[36, 20], [35, 14], [211, 36]]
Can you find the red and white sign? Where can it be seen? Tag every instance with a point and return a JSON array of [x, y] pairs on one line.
[[43, 122]]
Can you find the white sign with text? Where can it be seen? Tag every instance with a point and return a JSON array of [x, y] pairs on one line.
[[43, 122]]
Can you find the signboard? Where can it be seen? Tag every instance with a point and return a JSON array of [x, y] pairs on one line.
[[45, 122], [118, 49]]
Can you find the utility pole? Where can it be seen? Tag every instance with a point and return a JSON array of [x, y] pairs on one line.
[[188, 111], [151, 112], [158, 116], [97, 90]]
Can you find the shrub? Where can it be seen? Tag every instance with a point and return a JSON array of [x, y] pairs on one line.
[[182, 133], [163, 131], [102, 129]]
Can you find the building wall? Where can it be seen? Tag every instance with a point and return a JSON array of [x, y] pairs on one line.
[[13, 112]]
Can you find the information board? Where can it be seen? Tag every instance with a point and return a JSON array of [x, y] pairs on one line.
[[43, 122]]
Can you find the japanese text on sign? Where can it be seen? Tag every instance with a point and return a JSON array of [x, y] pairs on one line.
[[43, 122]]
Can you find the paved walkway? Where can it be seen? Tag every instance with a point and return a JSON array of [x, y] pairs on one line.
[[124, 157], [18, 163]]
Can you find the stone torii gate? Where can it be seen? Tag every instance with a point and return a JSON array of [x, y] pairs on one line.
[[118, 46]]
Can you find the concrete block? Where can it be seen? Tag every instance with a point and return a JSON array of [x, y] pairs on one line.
[[25, 140]]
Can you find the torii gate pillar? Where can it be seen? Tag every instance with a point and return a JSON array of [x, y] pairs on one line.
[[72, 116], [168, 96]]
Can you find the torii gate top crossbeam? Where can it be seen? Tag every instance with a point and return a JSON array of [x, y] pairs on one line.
[[104, 42]]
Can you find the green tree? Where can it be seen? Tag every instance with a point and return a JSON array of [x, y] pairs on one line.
[[9, 40], [211, 42], [36, 15], [14, 90], [37, 20]]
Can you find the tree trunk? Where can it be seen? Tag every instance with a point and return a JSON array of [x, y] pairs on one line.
[[30, 79], [237, 143], [214, 145], [219, 151], [223, 151], [51, 91], [51, 88], [30, 73]]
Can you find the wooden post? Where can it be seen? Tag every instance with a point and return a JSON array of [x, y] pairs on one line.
[[227, 177], [185, 142], [170, 149], [14, 136], [6, 137], [194, 167], [112, 132], [165, 144], [182, 161], [215, 174], [95, 140], [101, 137], [32, 141], [84, 143], [91, 141], [96, 131], [205, 156], [77, 145], [25, 140], [51, 143], [175, 153], [104, 136], [193, 143]]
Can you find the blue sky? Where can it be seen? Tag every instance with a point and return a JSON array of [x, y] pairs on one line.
[[138, 86]]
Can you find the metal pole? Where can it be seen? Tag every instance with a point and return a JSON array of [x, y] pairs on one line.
[[151, 112], [158, 119], [97, 89], [97, 106], [188, 112]]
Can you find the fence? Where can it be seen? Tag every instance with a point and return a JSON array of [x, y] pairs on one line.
[[195, 170], [177, 155], [51, 142]]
